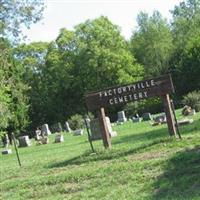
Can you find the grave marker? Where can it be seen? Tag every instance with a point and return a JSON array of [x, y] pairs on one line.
[[121, 116], [24, 141], [45, 129], [67, 128]]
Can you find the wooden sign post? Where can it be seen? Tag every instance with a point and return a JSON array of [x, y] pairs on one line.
[[169, 114], [104, 128], [161, 86]]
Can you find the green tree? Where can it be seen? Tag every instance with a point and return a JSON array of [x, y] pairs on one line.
[[152, 43], [33, 58], [188, 68], [185, 23], [92, 57], [18, 13], [185, 60], [13, 94], [102, 58], [5, 98], [13, 99]]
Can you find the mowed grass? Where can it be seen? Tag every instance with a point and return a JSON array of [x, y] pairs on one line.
[[144, 163]]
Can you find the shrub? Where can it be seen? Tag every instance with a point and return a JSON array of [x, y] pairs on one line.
[[192, 99], [76, 122], [152, 105]]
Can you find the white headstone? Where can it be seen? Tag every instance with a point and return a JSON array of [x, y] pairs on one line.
[[6, 142], [121, 116], [78, 132], [185, 121], [24, 141], [45, 129], [136, 119], [68, 129], [59, 138], [160, 118], [193, 112], [6, 151], [88, 122], [37, 134], [111, 132]]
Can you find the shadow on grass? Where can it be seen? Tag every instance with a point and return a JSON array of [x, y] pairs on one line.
[[156, 138], [145, 140], [181, 179], [142, 137], [158, 133]]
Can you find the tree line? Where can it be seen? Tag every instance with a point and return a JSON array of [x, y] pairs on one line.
[[45, 82]]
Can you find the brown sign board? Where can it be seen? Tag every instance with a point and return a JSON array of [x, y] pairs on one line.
[[129, 93]]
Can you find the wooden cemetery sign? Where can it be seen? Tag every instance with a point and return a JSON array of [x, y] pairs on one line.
[[161, 86]]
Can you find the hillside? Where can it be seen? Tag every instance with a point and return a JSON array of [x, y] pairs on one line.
[[144, 163]]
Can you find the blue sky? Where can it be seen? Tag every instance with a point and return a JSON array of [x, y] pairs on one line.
[[68, 13]]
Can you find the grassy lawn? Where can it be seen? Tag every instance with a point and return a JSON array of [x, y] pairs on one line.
[[144, 163]]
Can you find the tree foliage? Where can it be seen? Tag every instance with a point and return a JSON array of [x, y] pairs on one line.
[[13, 89], [16, 13], [185, 60], [152, 44], [5, 98], [91, 57], [46, 82]]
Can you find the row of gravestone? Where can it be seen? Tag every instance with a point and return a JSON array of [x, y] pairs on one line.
[[24, 141], [55, 128], [122, 118]]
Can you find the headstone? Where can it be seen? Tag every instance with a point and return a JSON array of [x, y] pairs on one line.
[[88, 122], [185, 122], [160, 119], [37, 134], [193, 112], [146, 116], [78, 132], [186, 110], [67, 128], [59, 127], [6, 141], [136, 119], [121, 116], [45, 129], [24, 141], [44, 140], [110, 131], [95, 129], [59, 138], [120, 123], [6, 151]]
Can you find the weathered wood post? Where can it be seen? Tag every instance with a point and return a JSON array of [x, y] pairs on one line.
[[169, 114], [104, 128]]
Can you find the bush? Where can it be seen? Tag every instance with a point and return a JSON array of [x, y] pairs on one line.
[[76, 122], [152, 105], [192, 99]]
